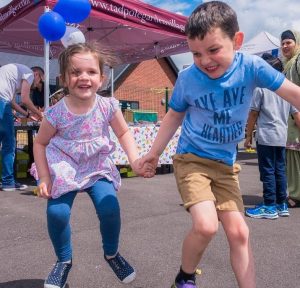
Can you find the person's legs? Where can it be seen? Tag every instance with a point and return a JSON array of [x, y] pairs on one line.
[[266, 160], [293, 176], [59, 229], [7, 139], [58, 217], [281, 182], [194, 178], [280, 174], [267, 165], [103, 195], [204, 227], [241, 257]]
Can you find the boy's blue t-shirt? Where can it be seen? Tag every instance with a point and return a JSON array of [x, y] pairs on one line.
[[217, 109]]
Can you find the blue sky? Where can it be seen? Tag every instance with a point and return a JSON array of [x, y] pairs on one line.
[[179, 6], [273, 16]]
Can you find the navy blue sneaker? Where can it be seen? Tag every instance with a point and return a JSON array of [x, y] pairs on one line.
[[283, 210], [15, 186], [262, 211], [57, 278], [122, 268]]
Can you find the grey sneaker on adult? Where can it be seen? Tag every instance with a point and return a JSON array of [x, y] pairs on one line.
[[123, 270], [13, 187], [57, 278]]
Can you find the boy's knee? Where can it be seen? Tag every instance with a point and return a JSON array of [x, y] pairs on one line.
[[206, 230], [240, 234]]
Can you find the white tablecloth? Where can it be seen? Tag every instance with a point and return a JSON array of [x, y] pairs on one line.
[[144, 137]]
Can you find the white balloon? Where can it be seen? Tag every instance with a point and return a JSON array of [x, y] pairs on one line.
[[72, 36]]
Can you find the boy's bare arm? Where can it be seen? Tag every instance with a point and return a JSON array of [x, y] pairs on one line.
[[128, 144], [290, 92], [169, 126]]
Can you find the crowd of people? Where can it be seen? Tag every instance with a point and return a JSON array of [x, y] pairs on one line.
[[72, 149]]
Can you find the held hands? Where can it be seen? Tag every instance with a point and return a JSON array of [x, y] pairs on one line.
[[148, 162], [146, 170], [44, 188]]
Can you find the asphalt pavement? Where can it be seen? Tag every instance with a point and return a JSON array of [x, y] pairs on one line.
[[153, 226]]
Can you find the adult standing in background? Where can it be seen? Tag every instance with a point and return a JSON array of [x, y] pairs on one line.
[[270, 113], [290, 47], [14, 78], [37, 94]]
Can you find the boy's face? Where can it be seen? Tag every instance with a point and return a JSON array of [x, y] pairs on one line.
[[214, 54]]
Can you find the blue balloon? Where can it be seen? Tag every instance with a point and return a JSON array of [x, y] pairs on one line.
[[73, 11], [52, 26]]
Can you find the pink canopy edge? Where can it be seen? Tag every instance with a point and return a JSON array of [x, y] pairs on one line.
[[132, 30]]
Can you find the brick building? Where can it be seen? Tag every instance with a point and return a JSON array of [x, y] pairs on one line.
[[146, 85]]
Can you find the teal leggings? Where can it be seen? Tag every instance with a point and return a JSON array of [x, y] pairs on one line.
[[104, 198]]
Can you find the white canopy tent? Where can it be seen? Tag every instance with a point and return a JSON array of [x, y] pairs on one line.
[[261, 43]]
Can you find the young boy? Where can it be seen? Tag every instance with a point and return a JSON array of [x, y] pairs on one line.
[[211, 100]]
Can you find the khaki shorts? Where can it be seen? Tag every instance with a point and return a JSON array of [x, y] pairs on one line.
[[199, 179]]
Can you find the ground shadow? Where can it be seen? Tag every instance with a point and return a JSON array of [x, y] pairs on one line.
[[25, 283], [246, 156], [249, 200], [250, 163], [27, 193]]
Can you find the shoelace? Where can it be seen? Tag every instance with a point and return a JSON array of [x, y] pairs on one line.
[[59, 271], [120, 259], [115, 262]]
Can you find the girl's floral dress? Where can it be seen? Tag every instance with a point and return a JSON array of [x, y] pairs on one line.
[[80, 152]]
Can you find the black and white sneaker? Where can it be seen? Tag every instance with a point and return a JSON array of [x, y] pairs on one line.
[[57, 278], [122, 268], [13, 187]]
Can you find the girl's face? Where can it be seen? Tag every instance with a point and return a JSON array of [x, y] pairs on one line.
[[288, 48], [83, 77], [215, 52]]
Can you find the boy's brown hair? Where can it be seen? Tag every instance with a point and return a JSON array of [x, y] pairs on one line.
[[211, 15]]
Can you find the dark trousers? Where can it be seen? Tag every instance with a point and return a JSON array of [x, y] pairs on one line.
[[8, 142], [271, 161]]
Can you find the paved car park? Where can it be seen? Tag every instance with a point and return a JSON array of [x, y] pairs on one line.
[[153, 227]]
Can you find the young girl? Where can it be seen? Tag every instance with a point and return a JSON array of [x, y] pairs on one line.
[[72, 153]]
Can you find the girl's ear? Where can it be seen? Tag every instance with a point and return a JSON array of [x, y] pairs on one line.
[[238, 40], [103, 78]]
